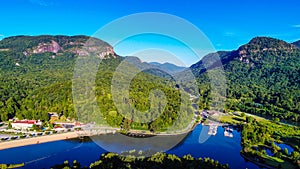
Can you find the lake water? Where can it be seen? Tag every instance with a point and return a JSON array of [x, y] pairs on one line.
[[282, 147], [218, 147]]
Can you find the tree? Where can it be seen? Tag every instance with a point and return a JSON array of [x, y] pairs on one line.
[[243, 114], [35, 127], [153, 127], [9, 125], [276, 120], [249, 119], [286, 151]]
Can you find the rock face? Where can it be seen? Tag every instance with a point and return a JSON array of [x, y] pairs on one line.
[[78, 48], [78, 45], [47, 47], [97, 50]]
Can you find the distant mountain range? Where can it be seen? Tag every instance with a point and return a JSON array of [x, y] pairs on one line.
[[169, 67], [297, 43], [263, 76]]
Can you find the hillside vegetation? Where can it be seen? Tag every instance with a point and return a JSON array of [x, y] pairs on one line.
[[263, 78], [36, 78]]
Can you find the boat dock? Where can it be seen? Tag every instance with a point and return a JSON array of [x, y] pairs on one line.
[[213, 127], [92, 131]]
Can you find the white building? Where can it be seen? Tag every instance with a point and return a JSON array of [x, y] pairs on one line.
[[25, 124]]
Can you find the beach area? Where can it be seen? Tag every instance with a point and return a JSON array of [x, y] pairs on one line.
[[37, 140]]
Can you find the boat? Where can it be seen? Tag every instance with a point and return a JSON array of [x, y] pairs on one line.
[[228, 132]]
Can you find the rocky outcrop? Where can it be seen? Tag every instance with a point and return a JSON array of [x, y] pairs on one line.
[[47, 47], [84, 46], [100, 51], [256, 48]]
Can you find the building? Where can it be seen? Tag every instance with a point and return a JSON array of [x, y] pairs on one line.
[[25, 124], [68, 125]]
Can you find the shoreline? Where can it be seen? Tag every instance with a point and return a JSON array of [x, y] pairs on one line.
[[69, 135], [37, 140], [250, 159]]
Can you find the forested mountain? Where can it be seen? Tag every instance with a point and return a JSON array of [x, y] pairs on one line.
[[297, 43], [263, 77], [36, 78], [36, 73]]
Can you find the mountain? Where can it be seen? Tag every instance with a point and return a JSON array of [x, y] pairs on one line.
[[263, 77], [36, 78], [38, 75], [297, 43], [166, 70], [169, 67], [56, 45]]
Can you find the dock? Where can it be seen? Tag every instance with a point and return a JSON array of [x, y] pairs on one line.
[[92, 131], [213, 127]]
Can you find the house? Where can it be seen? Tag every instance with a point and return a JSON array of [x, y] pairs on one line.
[[25, 124]]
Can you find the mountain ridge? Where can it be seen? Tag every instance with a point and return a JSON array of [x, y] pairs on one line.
[[297, 43], [262, 75], [56, 44], [168, 66], [265, 72]]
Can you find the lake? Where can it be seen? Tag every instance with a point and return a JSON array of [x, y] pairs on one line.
[[218, 147]]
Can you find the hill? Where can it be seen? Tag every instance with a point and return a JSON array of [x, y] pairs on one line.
[[297, 43], [36, 78], [263, 78]]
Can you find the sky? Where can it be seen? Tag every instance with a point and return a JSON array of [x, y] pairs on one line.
[[227, 24]]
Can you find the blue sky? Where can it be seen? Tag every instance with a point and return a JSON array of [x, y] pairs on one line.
[[227, 23]]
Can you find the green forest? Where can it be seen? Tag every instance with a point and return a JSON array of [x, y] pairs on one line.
[[260, 136], [41, 83], [156, 161], [262, 78]]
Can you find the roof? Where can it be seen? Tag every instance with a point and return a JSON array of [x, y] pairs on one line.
[[25, 121]]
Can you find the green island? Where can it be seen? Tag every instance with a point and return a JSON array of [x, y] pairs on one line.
[[156, 161], [260, 135]]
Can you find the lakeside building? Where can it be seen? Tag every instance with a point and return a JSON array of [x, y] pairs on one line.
[[25, 124], [68, 125]]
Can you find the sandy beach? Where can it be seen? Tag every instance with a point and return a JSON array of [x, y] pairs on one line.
[[37, 140]]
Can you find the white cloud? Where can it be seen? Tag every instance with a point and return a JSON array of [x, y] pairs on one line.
[[296, 26], [42, 2]]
